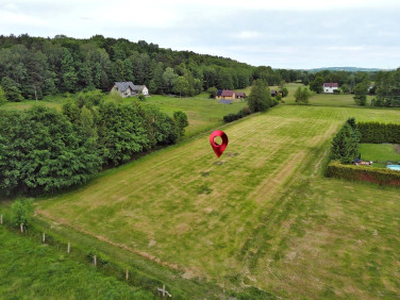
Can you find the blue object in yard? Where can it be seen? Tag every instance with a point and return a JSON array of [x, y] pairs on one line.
[[224, 101], [393, 167]]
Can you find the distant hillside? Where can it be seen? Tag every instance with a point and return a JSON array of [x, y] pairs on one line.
[[347, 69]]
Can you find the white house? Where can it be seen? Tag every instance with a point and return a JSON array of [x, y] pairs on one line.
[[125, 89], [128, 89], [141, 89], [330, 88]]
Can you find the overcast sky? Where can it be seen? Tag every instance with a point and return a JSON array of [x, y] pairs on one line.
[[281, 34]]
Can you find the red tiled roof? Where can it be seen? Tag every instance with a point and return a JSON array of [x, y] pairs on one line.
[[331, 84], [227, 93]]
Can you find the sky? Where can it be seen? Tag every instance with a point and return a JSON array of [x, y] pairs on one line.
[[288, 34]]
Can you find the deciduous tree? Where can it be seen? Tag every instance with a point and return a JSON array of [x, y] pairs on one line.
[[360, 93], [260, 97]]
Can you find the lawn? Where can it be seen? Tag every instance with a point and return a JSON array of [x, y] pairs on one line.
[[30, 270], [322, 99], [262, 215], [380, 154]]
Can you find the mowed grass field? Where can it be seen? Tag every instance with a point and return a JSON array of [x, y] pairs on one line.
[[203, 113], [262, 215]]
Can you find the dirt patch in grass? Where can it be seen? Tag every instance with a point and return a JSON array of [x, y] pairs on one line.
[[397, 147]]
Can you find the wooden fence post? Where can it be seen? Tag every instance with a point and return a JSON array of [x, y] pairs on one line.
[[69, 248], [95, 260], [44, 237], [126, 274], [164, 292], [21, 226], [1, 219]]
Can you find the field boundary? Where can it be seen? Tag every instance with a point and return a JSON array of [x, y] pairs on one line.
[[363, 173], [108, 241]]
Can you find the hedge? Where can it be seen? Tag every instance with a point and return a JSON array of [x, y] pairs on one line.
[[233, 117], [378, 133], [363, 173]]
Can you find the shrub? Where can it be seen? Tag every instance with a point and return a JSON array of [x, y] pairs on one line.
[[377, 133], [363, 173], [245, 111], [181, 121], [230, 118], [21, 210], [94, 97], [285, 91]]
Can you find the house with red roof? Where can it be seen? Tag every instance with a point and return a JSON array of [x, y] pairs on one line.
[[330, 87], [226, 94]]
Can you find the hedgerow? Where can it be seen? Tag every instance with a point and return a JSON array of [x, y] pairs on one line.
[[363, 173], [378, 133]]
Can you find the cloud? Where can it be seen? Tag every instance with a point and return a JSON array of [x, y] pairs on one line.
[[286, 33], [247, 34]]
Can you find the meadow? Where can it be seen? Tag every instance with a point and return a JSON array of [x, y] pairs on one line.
[[30, 270], [261, 216]]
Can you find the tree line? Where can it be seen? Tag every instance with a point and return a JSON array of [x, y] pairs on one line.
[[45, 150], [35, 67], [384, 85]]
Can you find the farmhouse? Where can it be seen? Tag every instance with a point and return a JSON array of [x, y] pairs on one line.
[[225, 94], [329, 87], [275, 93], [125, 89], [141, 89], [240, 95]]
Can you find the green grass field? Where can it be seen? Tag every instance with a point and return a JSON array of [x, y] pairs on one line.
[[30, 270], [203, 114], [262, 215], [380, 154], [322, 99]]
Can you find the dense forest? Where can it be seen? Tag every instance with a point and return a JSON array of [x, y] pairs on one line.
[[33, 67], [45, 150]]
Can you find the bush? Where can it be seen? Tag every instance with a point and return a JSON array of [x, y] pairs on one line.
[[212, 91], [378, 133], [21, 210], [285, 91], [230, 118], [363, 173], [245, 111], [101, 259], [181, 122], [94, 97]]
